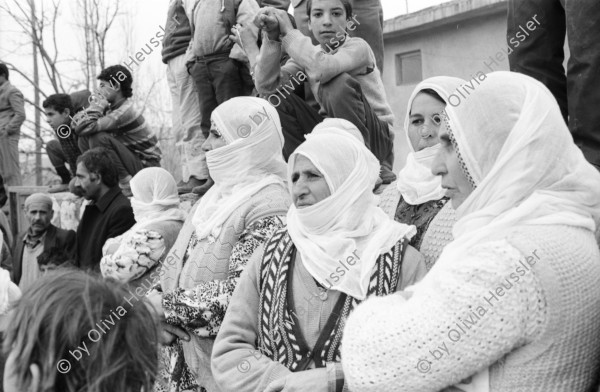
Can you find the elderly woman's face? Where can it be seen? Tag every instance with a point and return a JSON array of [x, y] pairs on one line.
[[308, 184], [446, 164], [424, 121]]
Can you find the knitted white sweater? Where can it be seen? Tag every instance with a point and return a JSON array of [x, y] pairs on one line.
[[528, 305]]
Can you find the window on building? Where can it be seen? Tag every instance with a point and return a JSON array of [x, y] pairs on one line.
[[408, 68]]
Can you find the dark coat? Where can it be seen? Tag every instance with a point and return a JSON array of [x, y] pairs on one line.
[[109, 217], [61, 238]]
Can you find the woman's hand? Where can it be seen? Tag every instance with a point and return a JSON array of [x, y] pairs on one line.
[[314, 380]]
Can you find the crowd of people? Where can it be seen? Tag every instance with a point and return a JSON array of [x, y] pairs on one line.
[[308, 263]]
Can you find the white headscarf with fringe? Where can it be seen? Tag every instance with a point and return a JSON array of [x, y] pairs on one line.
[[521, 156]]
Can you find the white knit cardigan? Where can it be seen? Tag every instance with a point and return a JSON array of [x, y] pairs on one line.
[[527, 306]]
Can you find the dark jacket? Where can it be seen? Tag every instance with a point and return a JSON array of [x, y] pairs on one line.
[[178, 32], [63, 239], [109, 217]]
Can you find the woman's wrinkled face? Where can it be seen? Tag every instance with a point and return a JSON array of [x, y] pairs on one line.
[[308, 184], [446, 164], [424, 121]]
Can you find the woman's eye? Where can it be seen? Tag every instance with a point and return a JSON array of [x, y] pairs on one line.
[[417, 122], [437, 119], [295, 178]]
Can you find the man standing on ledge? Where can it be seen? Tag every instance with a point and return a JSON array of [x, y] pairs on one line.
[[108, 215], [12, 116]]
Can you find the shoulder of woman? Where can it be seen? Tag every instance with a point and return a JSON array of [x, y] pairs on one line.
[[273, 199]]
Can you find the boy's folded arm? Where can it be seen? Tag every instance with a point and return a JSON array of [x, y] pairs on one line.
[[85, 123], [321, 66], [268, 71]]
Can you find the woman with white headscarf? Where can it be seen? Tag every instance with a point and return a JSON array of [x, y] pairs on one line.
[[518, 290], [417, 196], [134, 256], [285, 321], [247, 203]]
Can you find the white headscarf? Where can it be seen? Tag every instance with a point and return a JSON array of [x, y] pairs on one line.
[[155, 197], [347, 222], [521, 156], [415, 182], [251, 160]]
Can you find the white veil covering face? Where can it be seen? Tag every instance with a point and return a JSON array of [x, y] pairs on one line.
[[522, 159], [251, 160], [348, 221], [415, 181], [155, 197]]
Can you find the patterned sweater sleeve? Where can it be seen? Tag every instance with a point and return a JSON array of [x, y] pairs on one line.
[[128, 260], [201, 309], [463, 317]]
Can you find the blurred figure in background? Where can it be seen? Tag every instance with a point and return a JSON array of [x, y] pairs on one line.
[[12, 116]]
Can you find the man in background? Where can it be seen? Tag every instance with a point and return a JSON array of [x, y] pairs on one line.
[[12, 116], [41, 235], [108, 215]]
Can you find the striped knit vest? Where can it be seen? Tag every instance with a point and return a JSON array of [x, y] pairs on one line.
[[279, 337]]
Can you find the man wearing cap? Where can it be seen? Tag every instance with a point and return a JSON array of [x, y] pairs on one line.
[[40, 235]]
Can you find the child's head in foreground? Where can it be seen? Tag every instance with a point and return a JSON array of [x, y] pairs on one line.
[[50, 334]]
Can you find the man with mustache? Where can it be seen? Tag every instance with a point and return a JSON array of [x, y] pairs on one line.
[[40, 235]]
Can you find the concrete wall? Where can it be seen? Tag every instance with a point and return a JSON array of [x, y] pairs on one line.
[[460, 49]]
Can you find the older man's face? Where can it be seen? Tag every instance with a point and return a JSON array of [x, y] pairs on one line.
[[39, 216]]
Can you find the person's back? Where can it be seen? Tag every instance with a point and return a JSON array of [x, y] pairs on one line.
[[55, 341]]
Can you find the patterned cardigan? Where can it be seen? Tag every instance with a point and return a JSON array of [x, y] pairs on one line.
[[200, 276]]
